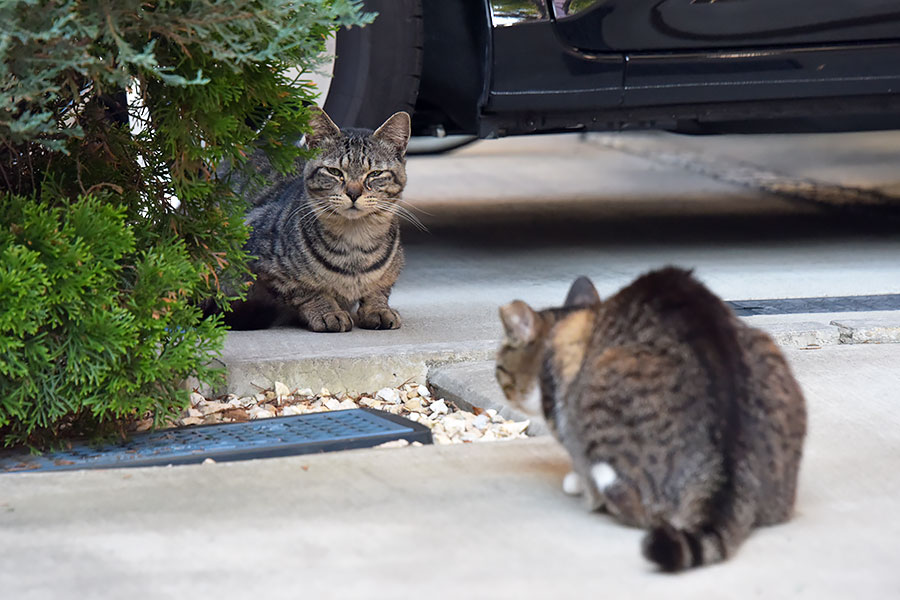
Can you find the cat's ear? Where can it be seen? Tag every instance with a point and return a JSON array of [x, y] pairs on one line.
[[323, 128], [582, 293], [520, 322], [395, 132]]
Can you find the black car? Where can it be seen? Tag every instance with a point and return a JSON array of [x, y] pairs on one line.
[[491, 68]]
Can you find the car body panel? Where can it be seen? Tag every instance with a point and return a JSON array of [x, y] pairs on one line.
[[642, 25], [763, 74], [504, 67], [530, 65]]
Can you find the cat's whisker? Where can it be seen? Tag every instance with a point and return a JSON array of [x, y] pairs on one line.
[[402, 212], [412, 206]]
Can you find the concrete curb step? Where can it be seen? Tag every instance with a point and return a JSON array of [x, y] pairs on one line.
[[365, 369], [473, 383], [370, 368], [849, 328]]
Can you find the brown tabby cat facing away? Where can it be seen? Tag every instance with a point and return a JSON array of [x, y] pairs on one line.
[[679, 418], [330, 240]]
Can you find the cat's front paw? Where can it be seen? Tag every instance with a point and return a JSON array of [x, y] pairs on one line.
[[385, 318], [334, 321]]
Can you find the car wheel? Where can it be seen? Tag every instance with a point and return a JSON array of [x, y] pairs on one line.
[[376, 68]]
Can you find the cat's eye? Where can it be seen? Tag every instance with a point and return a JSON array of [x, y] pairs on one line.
[[376, 174], [335, 172]]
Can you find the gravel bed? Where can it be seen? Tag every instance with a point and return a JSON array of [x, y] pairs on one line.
[[448, 423]]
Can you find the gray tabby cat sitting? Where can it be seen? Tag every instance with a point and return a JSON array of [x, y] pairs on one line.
[[330, 240], [679, 418]]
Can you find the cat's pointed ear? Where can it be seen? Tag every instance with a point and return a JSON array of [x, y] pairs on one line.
[[582, 293], [323, 128], [520, 322], [395, 132]]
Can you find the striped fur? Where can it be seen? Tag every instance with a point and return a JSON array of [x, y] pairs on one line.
[[679, 418], [329, 241]]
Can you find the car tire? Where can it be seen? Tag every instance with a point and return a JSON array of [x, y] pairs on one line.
[[377, 67]]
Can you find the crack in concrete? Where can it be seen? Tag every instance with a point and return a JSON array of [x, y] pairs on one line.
[[660, 148]]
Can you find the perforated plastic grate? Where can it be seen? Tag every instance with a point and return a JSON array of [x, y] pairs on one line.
[[788, 306], [301, 434]]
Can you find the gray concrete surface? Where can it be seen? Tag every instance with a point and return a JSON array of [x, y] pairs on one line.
[[506, 219], [522, 217], [860, 159], [470, 521], [783, 165]]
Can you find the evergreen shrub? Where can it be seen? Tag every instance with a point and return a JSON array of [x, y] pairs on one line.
[[114, 225]]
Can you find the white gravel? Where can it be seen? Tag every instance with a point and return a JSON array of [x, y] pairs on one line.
[[415, 401]]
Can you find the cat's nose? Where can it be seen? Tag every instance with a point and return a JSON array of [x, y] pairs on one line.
[[354, 191]]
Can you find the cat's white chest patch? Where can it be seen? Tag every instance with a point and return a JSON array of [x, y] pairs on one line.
[[531, 403], [603, 475]]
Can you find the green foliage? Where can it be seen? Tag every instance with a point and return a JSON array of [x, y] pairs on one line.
[[96, 328], [101, 269]]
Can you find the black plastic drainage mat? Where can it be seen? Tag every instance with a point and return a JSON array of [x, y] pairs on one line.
[[836, 304], [264, 438]]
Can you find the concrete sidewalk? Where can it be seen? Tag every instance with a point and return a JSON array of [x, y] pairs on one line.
[[522, 217], [473, 521], [508, 218]]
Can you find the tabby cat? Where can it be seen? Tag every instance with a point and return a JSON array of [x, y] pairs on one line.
[[329, 241], [679, 418]]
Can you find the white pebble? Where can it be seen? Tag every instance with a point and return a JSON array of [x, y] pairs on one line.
[[440, 438], [291, 410], [423, 391], [305, 392], [208, 461], [389, 395], [332, 404], [394, 444], [514, 428], [213, 407], [281, 390], [347, 405], [197, 399], [258, 412], [439, 408], [481, 422], [413, 405], [454, 427]]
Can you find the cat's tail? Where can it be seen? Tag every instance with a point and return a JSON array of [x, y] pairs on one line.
[[734, 513]]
